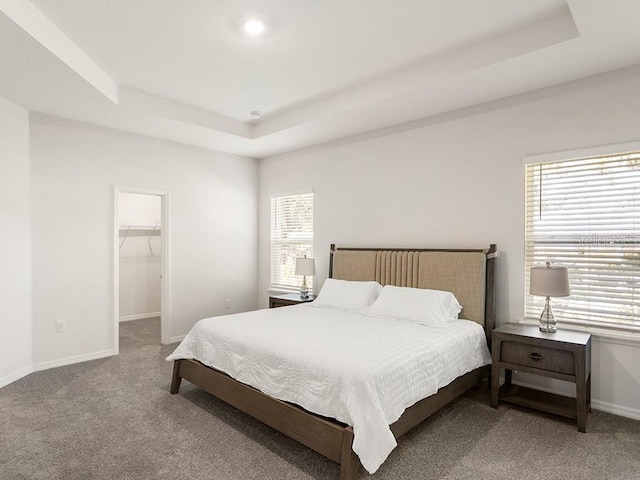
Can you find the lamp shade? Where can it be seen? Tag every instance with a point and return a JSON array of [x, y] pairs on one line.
[[305, 266], [549, 281]]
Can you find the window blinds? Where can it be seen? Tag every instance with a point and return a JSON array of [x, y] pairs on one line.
[[291, 237], [585, 214]]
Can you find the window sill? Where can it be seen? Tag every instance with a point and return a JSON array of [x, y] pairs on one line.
[[608, 335], [278, 290]]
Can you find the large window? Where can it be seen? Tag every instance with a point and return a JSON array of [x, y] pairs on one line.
[[585, 214], [291, 237]]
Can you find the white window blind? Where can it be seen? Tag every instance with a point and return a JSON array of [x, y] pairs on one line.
[[291, 237], [585, 214]]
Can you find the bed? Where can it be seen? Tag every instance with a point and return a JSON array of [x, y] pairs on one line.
[[469, 274]]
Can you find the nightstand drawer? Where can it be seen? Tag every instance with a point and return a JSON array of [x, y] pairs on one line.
[[543, 358]]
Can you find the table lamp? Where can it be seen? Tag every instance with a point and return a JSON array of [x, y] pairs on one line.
[[305, 266], [549, 282]]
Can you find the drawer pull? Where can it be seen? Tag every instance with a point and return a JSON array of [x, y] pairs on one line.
[[536, 356]]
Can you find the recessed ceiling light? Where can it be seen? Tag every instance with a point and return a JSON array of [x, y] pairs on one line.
[[254, 27]]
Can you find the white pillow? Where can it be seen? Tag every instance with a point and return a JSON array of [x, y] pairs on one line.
[[429, 307], [349, 295]]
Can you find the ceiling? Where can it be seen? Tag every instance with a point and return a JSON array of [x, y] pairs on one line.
[[325, 70]]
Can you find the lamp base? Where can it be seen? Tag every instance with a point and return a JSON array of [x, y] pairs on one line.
[[547, 319], [304, 290], [548, 329]]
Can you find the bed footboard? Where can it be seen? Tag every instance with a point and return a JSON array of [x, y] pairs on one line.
[[325, 436]]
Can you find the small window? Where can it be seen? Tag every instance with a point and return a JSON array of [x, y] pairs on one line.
[[585, 214], [291, 237]]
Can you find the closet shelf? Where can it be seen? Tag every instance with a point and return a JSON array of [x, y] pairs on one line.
[[139, 231], [148, 231]]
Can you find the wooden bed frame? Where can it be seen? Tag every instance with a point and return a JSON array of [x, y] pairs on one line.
[[327, 436]]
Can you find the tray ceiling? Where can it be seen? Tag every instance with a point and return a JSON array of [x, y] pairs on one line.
[[184, 71]]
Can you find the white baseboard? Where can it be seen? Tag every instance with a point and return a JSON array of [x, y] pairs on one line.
[[175, 339], [139, 316], [12, 377], [71, 360], [620, 410]]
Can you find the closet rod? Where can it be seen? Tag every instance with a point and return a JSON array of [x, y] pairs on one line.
[[126, 231]]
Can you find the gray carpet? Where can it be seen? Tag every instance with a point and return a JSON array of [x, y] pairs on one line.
[[115, 419]]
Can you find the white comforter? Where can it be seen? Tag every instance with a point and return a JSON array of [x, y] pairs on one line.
[[363, 371]]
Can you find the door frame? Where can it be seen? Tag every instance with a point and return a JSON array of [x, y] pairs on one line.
[[165, 284]]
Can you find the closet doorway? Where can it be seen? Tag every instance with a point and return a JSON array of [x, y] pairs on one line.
[[140, 267]]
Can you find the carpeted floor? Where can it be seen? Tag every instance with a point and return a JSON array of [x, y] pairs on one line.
[[115, 419]]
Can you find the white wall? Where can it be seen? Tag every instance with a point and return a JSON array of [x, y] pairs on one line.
[[15, 247], [212, 232], [140, 267], [458, 181]]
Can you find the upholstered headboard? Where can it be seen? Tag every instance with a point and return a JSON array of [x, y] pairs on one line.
[[468, 274]]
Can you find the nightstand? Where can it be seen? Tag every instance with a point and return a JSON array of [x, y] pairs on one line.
[[565, 355], [286, 299]]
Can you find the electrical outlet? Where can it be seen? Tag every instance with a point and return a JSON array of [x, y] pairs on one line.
[[227, 303], [59, 326]]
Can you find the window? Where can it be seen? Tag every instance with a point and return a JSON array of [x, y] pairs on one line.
[[291, 237], [585, 214]]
